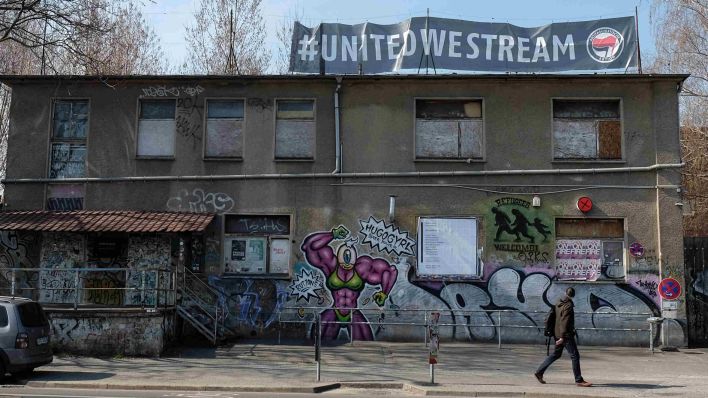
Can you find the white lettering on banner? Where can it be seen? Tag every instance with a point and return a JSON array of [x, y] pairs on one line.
[[388, 238], [510, 48], [578, 259]]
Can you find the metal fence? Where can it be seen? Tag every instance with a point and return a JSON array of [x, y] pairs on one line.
[[421, 318], [91, 287]]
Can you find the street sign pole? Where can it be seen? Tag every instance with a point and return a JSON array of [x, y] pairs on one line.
[[434, 346]]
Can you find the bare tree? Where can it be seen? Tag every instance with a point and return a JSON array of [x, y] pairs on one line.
[[209, 44], [284, 35], [41, 23], [682, 47], [129, 47]]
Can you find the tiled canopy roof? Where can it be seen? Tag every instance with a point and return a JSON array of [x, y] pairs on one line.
[[104, 221]]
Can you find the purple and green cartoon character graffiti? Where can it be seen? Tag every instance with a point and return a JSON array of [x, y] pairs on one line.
[[346, 276]]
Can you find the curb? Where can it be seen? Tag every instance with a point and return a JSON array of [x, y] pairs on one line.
[[420, 390], [316, 389]]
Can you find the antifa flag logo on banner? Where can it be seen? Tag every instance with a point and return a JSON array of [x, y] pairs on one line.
[[456, 45]]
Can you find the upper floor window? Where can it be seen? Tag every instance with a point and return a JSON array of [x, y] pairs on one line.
[[156, 128], [590, 249], [587, 130], [295, 129], [449, 129], [224, 129], [68, 143]]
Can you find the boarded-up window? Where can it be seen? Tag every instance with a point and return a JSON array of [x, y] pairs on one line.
[[295, 129], [224, 129], [449, 129], [587, 129], [68, 144], [156, 128], [589, 249]]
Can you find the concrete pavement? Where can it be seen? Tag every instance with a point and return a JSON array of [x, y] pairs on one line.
[[463, 370]]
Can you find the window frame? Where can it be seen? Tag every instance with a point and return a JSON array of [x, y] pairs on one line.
[[51, 141], [595, 160], [483, 144], [137, 129], [205, 126], [275, 129], [269, 238], [623, 240]]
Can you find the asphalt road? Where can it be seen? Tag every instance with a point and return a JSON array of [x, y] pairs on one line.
[[30, 392]]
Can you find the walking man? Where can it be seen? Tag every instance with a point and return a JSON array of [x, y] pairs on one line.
[[564, 334]]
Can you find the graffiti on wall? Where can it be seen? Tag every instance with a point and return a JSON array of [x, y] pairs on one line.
[[199, 201], [174, 91], [347, 274], [19, 250], [147, 255], [103, 288], [334, 276], [520, 233], [108, 336], [250, 304], [60, 253]]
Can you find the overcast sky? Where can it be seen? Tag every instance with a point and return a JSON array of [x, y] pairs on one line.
[[168, 17]]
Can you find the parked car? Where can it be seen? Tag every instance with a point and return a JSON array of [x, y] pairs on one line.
[[24, 336]]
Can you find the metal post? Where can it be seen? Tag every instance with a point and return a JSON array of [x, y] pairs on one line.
[[142, 289], [499, 327], [13, 283], [425, 325], [157, 288], [216, 322], [351, 326], [432, 373], [76, 288], [318, 338], [280, 326]]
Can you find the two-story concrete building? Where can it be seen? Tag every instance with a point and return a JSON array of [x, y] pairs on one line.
[[364, 202]]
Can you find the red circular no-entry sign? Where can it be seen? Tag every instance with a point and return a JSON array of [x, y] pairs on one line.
[[584, 204], [669, 289]]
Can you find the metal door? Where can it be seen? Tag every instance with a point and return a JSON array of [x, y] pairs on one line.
[[695, 251]]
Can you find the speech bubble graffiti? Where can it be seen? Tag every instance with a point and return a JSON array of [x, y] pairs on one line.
[[388, 238], [306, 284]]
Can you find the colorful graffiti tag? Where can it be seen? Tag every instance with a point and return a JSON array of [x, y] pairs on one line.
[[347, 274]]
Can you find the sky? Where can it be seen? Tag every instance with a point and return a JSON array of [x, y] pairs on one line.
[[168, 17]]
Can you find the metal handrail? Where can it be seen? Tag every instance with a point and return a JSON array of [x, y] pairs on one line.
[[76, 287]]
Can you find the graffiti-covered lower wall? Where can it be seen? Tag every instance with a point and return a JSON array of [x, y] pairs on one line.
[[109, 333], [360, 280]]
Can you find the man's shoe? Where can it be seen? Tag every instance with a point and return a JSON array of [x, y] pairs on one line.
[[583, 384], [539, 377]]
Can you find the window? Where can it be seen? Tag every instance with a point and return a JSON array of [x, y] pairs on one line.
[[257, 244], [3, 317], [590, 249], [224, 129], [156, 128], [447, 247], [68, 145], [32, 315], [295, 129], [587, 130], [65, 197], [448, 129]]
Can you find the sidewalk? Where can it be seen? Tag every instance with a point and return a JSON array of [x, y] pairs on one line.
[[463, 370]]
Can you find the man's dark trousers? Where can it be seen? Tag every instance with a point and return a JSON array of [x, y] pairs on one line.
[[572, 348]]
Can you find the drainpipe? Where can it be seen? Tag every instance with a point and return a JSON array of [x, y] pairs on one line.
[[338, 142]]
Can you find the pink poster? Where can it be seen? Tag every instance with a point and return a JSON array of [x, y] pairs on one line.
[[578, 259]]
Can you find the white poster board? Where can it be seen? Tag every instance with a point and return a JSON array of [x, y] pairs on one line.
[[447, 246], [279, 255]]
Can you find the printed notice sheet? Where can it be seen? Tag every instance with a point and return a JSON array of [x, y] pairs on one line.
[[447, 246]]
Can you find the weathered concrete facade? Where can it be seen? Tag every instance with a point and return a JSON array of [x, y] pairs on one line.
[[519, 261]]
